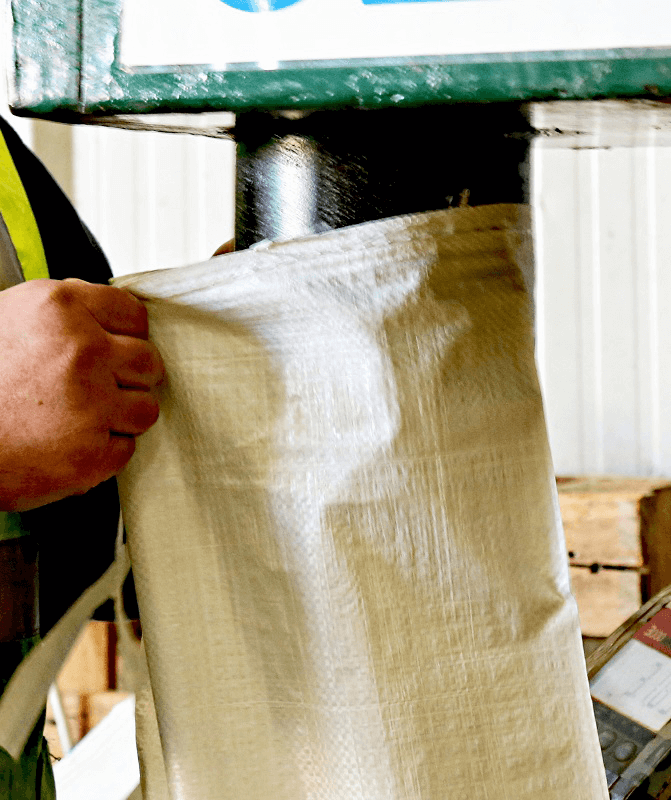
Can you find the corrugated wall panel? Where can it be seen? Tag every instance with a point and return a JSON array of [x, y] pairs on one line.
[[604, 340], [660, 204], [644, 256], [154, 200], [559, 296], [615, 259]]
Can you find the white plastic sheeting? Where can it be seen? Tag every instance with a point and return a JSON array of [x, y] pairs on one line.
[[344, 530]]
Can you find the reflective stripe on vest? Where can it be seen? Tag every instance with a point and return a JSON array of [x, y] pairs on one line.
[[19, 218]]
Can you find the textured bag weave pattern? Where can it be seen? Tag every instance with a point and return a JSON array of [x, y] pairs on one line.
[[344, 531]]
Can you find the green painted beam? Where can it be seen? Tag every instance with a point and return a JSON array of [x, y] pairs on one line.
[[476, 79], [46, 54], [80, 74]]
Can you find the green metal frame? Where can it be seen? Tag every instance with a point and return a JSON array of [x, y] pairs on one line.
[[67, 65]]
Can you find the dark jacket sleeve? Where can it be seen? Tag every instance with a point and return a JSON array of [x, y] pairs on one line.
[[76, 535]]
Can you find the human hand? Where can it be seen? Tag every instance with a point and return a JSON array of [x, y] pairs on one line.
[[77, 376]]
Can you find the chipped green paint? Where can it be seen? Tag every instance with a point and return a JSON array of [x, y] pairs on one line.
[[46, 54], [81, 75]]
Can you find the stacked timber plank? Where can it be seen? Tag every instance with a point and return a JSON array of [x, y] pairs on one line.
[[618, 535]]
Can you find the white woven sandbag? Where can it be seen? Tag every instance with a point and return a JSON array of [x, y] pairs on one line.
[[344, 531]]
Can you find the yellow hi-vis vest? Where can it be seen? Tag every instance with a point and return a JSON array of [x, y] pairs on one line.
[[19, 219]]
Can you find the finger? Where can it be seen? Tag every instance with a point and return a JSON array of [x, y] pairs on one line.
[[136, 411], [118, 453], [111, 454], [115, 310], [136, 363], [226, 247]]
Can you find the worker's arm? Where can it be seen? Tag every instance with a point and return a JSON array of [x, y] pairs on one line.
[[77, 380]]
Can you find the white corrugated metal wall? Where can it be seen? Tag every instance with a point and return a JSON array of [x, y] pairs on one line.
[[154, 200], [603, 250]]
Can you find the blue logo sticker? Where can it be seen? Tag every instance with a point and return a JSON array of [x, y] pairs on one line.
[[394, 2], [259, 5]]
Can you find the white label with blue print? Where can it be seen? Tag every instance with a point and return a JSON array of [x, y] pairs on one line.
[[268, 33]]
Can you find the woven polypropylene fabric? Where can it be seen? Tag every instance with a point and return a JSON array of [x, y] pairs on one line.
[[344, 531]]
